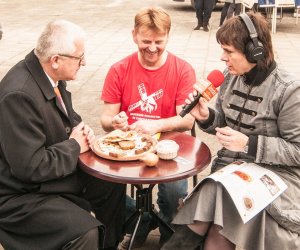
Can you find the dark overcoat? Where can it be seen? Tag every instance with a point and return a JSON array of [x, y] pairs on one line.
[[39, 186]]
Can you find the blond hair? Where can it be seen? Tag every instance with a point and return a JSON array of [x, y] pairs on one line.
[[153, 18]]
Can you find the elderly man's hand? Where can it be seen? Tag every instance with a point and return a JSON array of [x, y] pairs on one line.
[[89, 133], [79, 135]]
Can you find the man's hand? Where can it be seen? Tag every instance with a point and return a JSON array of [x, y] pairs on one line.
[[89, 133], [120, 121], [147, 126], [78, 133], [232, 139]]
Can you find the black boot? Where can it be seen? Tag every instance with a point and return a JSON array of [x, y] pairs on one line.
[[205, 27], [184, 239], [198, 27]]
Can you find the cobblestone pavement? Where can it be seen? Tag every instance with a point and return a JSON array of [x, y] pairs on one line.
[[108, 24]]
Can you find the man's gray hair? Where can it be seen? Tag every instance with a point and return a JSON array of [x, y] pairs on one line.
[[58, 37]]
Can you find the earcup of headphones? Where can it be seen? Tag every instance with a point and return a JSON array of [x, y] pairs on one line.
[[254, 52]]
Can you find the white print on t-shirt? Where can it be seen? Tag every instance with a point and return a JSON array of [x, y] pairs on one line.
[[147, 103], [137, 116]]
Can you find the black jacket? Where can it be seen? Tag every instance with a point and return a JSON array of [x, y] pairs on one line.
[[38, 162]]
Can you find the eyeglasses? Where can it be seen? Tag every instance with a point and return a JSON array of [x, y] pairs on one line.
[[80, 58]]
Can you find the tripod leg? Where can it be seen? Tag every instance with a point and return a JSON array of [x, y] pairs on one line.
[[135, 230], [131, 219]]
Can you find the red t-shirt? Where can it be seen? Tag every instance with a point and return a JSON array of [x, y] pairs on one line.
[[148, 94]]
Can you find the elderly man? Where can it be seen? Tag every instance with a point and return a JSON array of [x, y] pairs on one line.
[[45, 200]]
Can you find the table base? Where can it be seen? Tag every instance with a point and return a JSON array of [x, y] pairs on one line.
[[144, 204]]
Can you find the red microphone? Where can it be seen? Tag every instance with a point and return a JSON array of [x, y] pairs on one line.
[[208, 90]]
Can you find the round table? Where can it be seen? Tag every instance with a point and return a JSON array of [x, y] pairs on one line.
[[193, 157]]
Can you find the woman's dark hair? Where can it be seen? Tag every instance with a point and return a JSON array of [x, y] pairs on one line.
[[234, 33]]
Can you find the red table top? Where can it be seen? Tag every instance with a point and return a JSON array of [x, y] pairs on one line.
[[193, 157]]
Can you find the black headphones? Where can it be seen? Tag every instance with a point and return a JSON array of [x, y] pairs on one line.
[[254, 50]]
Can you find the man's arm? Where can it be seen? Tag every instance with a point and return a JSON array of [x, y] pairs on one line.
[[36, 152], [178, 123], [174, 123], [110, 110]]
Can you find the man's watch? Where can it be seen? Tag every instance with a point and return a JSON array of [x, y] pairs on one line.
[[246, 148]]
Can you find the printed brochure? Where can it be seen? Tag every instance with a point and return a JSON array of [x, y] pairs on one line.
[[250, 186]]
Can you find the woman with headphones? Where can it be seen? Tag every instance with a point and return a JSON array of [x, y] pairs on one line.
[[256, 120]]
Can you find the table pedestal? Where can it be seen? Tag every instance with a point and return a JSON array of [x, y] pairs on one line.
[[144, 204]]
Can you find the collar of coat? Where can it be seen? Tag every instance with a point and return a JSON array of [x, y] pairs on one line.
[[40, 77], [256, 76]]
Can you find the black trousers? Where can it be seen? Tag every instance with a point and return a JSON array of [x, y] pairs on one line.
[[89, 240], [224, 12], [108, 202], [203, 11], [48, 221], [228, 10]]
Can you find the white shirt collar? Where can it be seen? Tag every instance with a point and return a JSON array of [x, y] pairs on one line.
[[52, 82]]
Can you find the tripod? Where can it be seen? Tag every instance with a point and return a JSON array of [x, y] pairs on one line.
[[144, 204]]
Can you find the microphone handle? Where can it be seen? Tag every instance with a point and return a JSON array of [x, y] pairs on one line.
[[188, 107]]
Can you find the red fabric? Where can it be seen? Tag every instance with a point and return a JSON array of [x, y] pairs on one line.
[[148, 94]]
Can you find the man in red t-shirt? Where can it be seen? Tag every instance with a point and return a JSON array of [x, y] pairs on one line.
[[146, 91]]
